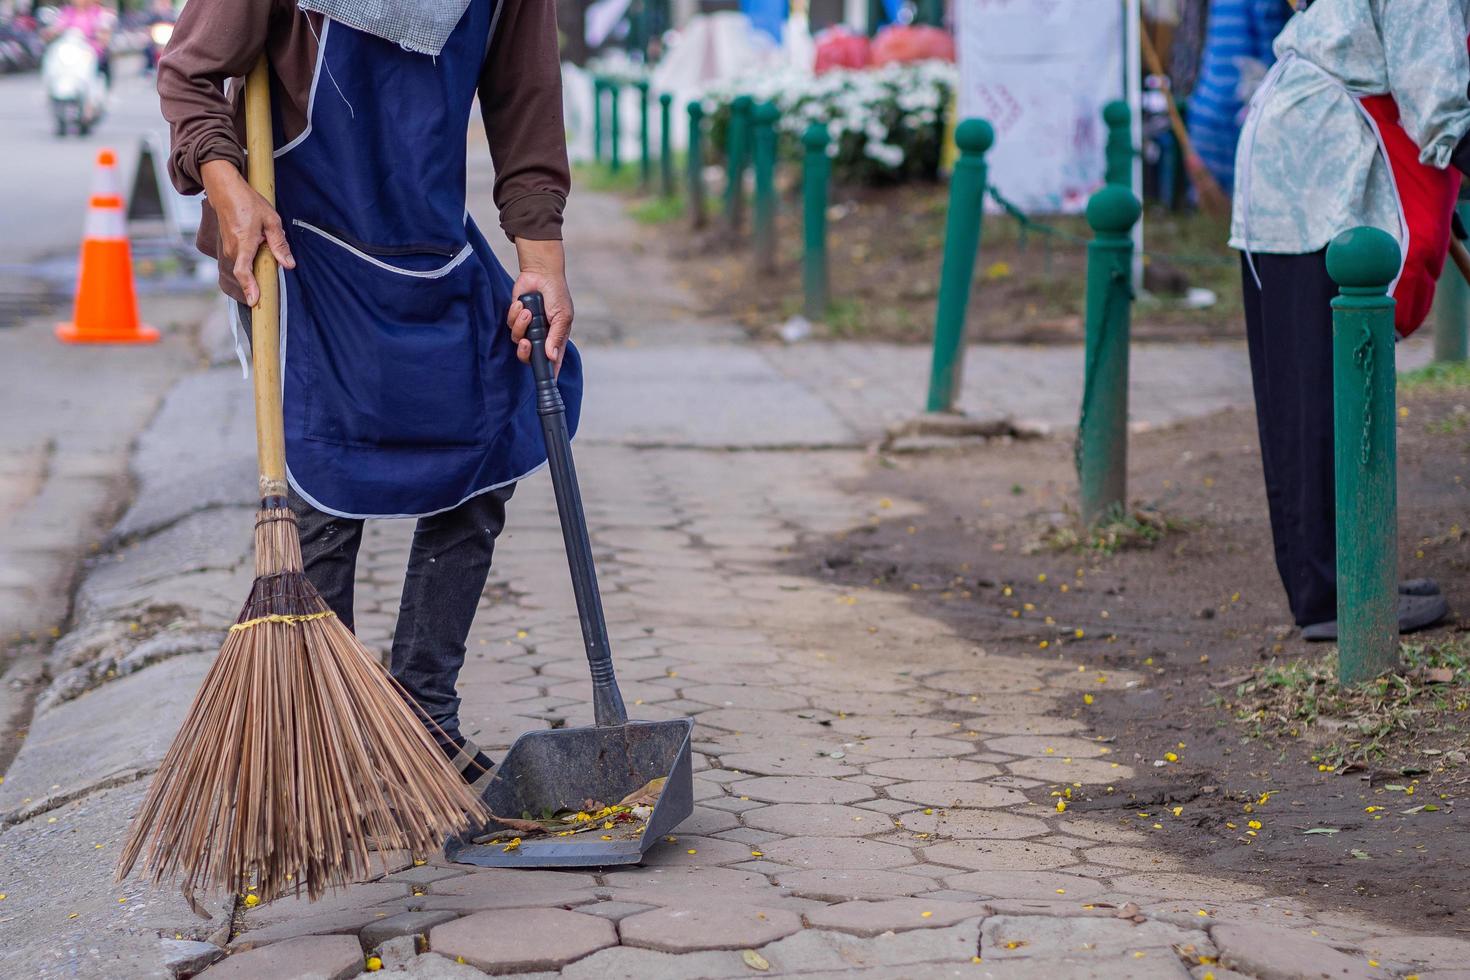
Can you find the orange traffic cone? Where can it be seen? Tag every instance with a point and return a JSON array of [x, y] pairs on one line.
[[107, 303]]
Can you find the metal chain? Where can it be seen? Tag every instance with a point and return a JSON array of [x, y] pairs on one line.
[[1363, 358]]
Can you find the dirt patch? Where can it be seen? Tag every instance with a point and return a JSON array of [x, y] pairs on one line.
[[885, 251], [1197, 612]]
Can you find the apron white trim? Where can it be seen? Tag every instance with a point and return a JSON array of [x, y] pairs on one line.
[[1248, 147], [438, 273], [316, 76]]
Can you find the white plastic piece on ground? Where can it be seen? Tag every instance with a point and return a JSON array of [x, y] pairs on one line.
[[1200, 298], [796, 329]]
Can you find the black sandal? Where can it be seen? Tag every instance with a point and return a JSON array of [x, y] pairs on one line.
[[1417, 611]]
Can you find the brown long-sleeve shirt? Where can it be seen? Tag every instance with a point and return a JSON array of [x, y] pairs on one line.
[[218, 40]]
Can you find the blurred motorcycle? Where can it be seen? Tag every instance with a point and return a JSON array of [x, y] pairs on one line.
[[74, 83]]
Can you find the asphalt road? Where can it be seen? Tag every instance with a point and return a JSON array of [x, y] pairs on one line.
[[44, 180]]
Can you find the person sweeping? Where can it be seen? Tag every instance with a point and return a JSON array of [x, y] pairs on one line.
[[1363, 120], [399, 390]]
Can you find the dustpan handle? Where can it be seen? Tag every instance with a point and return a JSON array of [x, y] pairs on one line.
[[607, 700]]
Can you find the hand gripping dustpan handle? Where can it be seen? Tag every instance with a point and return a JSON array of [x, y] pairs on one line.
[[607, 701]]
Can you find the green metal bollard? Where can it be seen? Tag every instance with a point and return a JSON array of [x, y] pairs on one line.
[[695, 162], [816, 176], [665, 145], [645, 151], [1452, 304], [764, 132], [1363, 261], [961, 245], [737, 143], [598, 87], [1102, 431], [615, 156], [1119, 149]]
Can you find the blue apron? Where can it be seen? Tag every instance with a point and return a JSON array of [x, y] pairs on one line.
[[402, 393]]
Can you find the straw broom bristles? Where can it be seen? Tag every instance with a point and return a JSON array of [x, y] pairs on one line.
[[299, 755]]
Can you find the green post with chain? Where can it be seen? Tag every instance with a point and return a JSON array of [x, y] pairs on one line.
[[615, 155], [695, 163], [1363, 262], [737, 143], [1119, 149], [957, 270], [764, 237], [1102, 431], [665, 145], [815, 180], [598, 87], [1452, 302], [645, 137]]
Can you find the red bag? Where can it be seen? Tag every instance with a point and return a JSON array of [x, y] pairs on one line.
[[1428, 199]]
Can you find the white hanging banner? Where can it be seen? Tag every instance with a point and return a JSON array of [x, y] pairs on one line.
[[1040, 71]]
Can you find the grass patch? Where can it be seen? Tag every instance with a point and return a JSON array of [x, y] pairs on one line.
[[1133, 530], [1414, 714], [1436, 377], [600, 177], [658, 210]]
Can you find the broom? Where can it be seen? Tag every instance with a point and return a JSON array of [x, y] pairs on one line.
[[300, 754], [1212, 198]]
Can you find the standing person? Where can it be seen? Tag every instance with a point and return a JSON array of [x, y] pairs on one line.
[[1237, 52], [1359, 123], [95, 22], [403, 394]]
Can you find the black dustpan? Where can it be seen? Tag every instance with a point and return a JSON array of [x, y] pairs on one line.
[[560, 769]]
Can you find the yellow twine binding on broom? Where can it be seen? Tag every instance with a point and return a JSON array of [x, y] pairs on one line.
[[279, 618]]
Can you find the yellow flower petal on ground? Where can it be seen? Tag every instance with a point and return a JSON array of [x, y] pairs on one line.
[[1254, 824], [926, 915], [1170, 757], [373, 964], [1061, 806], [251, 901], [1088, 699]]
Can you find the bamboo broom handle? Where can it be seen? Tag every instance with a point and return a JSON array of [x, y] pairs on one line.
[[265, 332], [1212, 197], [1461, 257]]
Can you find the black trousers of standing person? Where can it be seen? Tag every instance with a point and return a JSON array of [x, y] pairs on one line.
[[448, 564], [1288, 323]]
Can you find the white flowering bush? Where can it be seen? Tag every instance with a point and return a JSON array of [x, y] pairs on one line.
[[886, 124]]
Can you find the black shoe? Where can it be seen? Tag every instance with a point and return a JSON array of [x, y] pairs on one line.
[[1417, 611], [476, 768], [1419, 586]]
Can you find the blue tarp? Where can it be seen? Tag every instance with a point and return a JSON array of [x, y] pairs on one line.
[[766, 15]]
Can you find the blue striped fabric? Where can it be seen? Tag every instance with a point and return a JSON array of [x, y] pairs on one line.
[[1237, 29]]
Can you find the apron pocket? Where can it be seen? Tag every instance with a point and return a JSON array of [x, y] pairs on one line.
[[393, 350]]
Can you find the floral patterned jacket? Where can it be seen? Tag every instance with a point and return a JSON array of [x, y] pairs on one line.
[[1308, 165]]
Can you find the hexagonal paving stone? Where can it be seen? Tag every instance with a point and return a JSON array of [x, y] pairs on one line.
[[1134, 858], [873, 705], [1002, 704], [745, 696], [707, 821], [824, 820], [801, 789], [765, 722], [1012, 677], [832, 885], [1047, 745], [1185, 885], [915, 748], [999, 855], [687, 850], [1013, 937], [1026, 884], [933, 770], [893, 725], [1024, 725], [843, 853], [1057, 769], [972, 824], [893, 915], [327, 957], [680, 929], [942, 795], [521, 940], [500, 881]]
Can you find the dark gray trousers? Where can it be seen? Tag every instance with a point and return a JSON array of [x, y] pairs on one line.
[[448, 564]]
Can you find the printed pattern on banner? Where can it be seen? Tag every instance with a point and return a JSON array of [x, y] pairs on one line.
[[1040, 71]]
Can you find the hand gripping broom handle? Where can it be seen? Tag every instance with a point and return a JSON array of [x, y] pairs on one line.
[[607, 701], [265, 316]]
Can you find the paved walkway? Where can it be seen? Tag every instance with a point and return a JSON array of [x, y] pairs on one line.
[[877, 796]]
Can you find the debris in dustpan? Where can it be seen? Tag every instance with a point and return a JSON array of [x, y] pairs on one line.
[[625, 820]]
